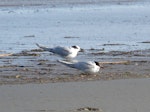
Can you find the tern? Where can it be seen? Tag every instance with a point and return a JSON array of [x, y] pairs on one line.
[[88, 67], [65, 52]]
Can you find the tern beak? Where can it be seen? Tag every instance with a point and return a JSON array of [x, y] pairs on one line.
[[81, 50], [101, 66]]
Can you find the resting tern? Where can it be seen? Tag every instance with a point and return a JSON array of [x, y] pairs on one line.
[[65, 52], [88, 67]]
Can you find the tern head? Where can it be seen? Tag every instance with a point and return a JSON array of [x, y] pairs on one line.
[[97, 63], [76, 47]]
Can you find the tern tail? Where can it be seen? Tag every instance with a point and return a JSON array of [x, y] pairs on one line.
[[44, 48], [66, 63]]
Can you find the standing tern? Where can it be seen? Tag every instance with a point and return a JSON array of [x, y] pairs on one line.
[[88, 67], [65, 52]]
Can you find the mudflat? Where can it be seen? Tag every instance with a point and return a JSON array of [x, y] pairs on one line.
[[113, 32], [30, 67]]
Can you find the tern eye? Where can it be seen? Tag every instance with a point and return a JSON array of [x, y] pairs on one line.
[[75, 47], [97, 63]]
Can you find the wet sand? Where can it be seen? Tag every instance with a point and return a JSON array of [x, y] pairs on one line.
[[31, 67], [131, 95]]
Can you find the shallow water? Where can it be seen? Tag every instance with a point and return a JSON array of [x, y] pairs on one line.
[[114, 27]]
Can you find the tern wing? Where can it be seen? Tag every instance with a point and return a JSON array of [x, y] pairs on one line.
[[62, 51], [88, 67], [84, 65]]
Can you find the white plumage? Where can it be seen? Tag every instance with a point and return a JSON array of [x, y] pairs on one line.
[[88, 67], [65, 52]]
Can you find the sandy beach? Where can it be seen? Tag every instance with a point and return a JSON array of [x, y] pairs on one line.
[[109, 31], [131, 95]]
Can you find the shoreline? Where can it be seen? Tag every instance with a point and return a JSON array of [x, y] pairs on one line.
[[66, 3], [34, 69], [106, 33], [31, 80]]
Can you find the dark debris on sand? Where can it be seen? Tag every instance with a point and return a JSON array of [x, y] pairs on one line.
[[33, 69], [89, 109]]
